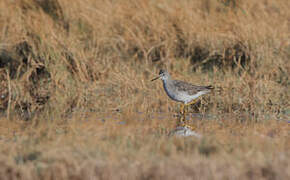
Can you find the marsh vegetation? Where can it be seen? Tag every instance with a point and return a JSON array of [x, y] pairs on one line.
[[76, 101]]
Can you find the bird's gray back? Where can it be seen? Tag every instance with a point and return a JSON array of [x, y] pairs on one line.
[[190, 88]]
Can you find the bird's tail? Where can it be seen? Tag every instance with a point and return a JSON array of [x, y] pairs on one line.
[[209, 87], [216, 89]]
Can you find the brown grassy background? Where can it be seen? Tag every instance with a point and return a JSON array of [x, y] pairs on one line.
[[76, 99]]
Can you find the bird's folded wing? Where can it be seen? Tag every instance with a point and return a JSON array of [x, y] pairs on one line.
[[190, 88]]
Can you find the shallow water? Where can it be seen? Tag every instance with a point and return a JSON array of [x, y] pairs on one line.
[[120, 118]]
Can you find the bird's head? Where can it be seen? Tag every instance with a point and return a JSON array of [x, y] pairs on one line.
[[163, 74]]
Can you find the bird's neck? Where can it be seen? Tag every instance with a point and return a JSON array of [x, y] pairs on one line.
[[166, 80]]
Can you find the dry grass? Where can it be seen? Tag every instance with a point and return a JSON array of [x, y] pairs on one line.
[[76, 101]]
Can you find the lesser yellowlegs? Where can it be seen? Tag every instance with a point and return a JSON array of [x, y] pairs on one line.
[[181, 91]]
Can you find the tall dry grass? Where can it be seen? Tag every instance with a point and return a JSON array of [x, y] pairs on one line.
[[63, 63]]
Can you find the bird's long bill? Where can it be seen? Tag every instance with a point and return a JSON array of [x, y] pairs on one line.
[[155, 78]]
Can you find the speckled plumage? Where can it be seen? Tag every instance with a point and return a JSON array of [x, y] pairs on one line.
[[190, 88], [181, 91]]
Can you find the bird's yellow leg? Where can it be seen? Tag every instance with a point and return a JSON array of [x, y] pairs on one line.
[[182, 108], [181, 119], [192, 102], [183, 114], [184, 124]]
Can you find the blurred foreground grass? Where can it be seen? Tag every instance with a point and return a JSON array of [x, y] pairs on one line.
[[89, 148]]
